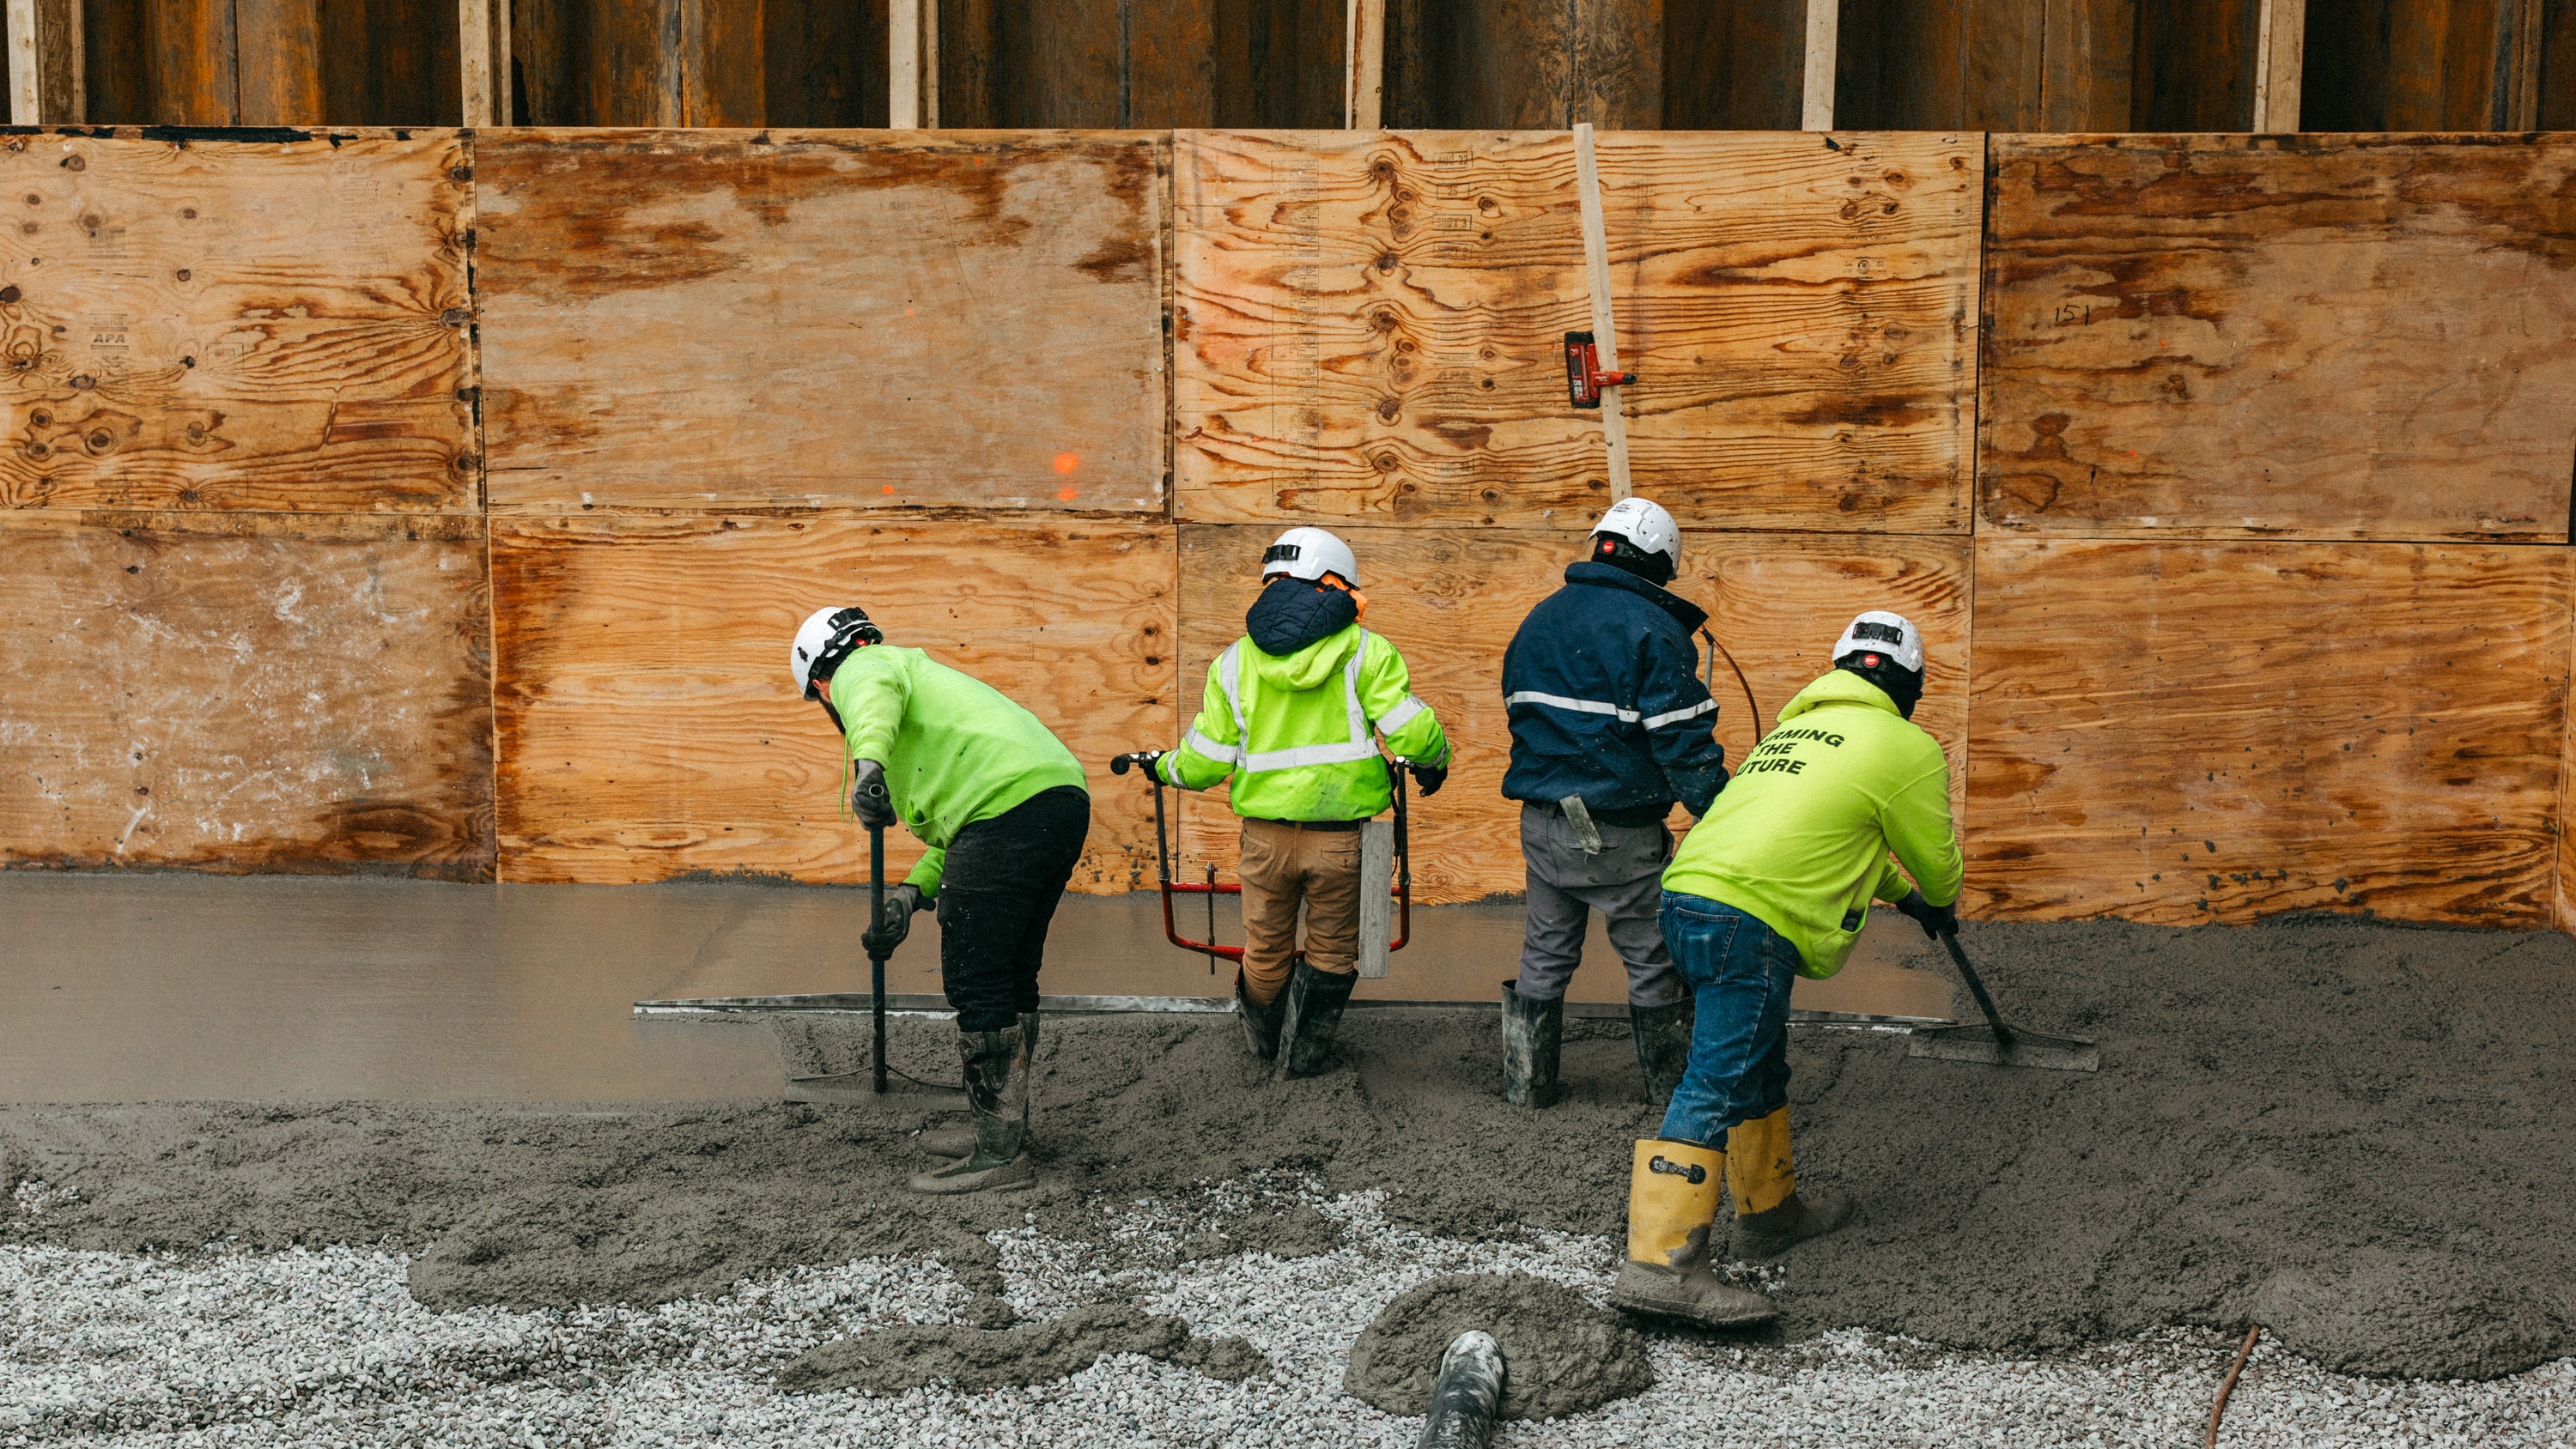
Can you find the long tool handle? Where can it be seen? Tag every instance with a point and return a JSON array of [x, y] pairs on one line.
[[1596, 270], [1977, 988], [877, 953]]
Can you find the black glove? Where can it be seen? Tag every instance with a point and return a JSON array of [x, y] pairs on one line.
[[1429, 778], [868, 798], [896, 924], [1148, 760], [1936, 921]]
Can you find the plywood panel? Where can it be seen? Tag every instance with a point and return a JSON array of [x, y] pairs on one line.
[[2326, 337], [648, 727], [2184, 732], [1451, 600], [235, 325], [799, 319], [1369, 327], [245, 692]]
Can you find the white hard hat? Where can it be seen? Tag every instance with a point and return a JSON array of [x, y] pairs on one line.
[[1646, 525], [1311, 553], [825, 639], [1880, 632]]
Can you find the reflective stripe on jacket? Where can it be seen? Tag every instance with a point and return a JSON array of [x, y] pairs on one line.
[[1604, 699], [1298, 734]]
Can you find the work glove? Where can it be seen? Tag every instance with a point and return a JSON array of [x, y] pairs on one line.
[[868, 798], [896, 923], [1936, 921], [1429, 778], [1149, 761]]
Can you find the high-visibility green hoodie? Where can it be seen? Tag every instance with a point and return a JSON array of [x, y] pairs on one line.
[[1310, 752], [955, 750], [1799, 837]]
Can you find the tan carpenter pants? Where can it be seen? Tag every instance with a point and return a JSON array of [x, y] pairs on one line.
[[1283, 864]]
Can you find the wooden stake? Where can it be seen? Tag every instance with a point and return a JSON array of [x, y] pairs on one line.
[[1824, 28], [483, 49], [1596, 269], [1364, 65], [912, 79], [2279, 52]]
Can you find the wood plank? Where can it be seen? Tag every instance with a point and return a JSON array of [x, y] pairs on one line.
[[483, 48], [827, 62], [723, 70], [2002, 51], [62, 62], [1370, 327], [2284, 726], [236, 325], [391, 63], [1175, 51], [1901, 66], [1739, 66], [116, 77], [912, 76], [2215, 336], [648, 729], [1618, 64], [2088, 64], [2557, 67], [2280, 53], [1062, 64], [245, 692], [850, 320], [280, 79], [1451, 599], [2195, 66], [1823, 43], [191, 53], [1364, 46]]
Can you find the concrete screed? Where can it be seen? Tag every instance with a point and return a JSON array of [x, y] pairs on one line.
[[2354, 1133]]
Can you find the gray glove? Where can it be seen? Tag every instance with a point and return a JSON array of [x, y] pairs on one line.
[[868, 798], [1936, 921], [896, 924]]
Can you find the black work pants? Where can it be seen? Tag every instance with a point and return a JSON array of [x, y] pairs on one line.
[[996, 897]]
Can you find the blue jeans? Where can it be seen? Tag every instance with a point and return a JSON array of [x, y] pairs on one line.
[[1739, 972]]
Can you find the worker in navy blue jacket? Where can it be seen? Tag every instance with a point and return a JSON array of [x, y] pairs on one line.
[[1611, 726]]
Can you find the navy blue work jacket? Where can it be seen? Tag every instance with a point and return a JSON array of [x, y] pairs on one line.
[[1605, 701]]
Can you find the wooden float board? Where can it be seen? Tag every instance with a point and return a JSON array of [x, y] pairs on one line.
[[2214, 731], [1451, 600], [1368, 327], [797, 319], [2313, 336], [245, 692], [270, 326], [649, 728]]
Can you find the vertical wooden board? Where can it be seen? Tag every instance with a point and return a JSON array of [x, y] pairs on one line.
[[117, 86], [2557, 63], [2195, 66], [1902, 65], [280, 78], [2003, 53], [2183, 732], [1173, 62], [1619, 64], [1451, 600], [723, 68], [1368, 327], [235, 325], [648, 727], [192, 54], [2333, 337], [1062, 63], [1734, 66], [826, 63], [715, 320], [391, 62], [2089, 51], [246, 692]]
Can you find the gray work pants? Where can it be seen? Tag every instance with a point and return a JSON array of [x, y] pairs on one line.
[[1625, 883]]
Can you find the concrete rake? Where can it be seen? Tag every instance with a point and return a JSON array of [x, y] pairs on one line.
[[1996, 1043]]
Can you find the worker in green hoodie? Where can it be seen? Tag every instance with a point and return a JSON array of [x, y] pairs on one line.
[[1775, 882], [1292, 714], [1000, 803]]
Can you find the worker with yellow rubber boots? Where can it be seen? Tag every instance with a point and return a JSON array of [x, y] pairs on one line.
[[1774, 883], [1292, 714], [1000, 802]]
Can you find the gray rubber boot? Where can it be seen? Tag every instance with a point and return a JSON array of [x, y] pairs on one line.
[[959, 1141], [1768, 1235], [1314, 1013], [1663, 1036], [997, 1093], [1533, 1039], [1260, 1023]]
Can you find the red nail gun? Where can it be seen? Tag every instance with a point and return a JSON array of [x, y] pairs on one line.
[[1584, 378]]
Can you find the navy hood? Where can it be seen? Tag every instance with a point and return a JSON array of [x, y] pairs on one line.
[[1610, 576], [1292, 613]]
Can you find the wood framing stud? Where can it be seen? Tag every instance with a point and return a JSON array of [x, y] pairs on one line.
[[912, 77], [1596, 267], [1824, 27], [2279, 47], [483, 51], [1364, 65]]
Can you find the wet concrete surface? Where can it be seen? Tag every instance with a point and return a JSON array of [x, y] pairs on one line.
[[181, 987]]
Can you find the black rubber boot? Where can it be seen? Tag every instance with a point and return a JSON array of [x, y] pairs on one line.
[[1314, 1001], [1663, 1045], [997, 1094], [960, 1141], [1533, 1038], [1769, 1234], [1260, 1023]]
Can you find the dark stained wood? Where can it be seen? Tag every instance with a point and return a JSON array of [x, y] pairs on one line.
[[2001, 53], [1061, 64], [280, 82], [803, 319], [970, 64], [1618, 64], [2556, 82], [2088, 56], [2194, 68], [1172, 63], [1525, 64], [391, 63], [826, 62], [1734, 65], [1368, 327], [2412, 65], [2282, 727], [236, 325], [115, 76], [648, 727], [1900, 66], [723, 71], [246, 692], [2328, 337], [190, 47]]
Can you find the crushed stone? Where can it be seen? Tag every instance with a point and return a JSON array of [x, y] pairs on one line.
[[913, 1356], [1561, 1353]]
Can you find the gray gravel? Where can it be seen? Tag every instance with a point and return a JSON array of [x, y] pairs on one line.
[[228, 1347]]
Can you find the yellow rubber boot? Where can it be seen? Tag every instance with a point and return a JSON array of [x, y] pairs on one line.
[[1672, 1212], [1770, 1217]]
